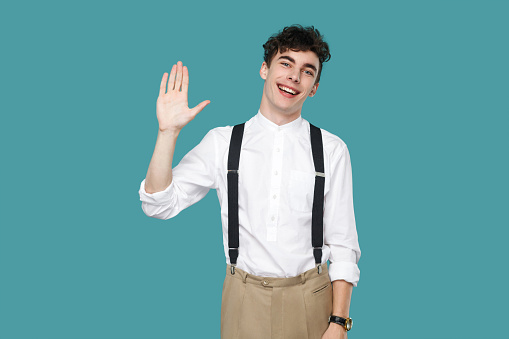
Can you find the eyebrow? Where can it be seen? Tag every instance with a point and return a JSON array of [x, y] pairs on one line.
[[293, 60]]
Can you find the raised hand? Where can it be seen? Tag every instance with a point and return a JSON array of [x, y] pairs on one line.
[[173, 112]]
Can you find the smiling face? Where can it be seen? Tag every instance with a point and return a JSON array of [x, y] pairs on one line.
[[289, 80]]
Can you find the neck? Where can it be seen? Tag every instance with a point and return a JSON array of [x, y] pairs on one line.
[[277, 117]]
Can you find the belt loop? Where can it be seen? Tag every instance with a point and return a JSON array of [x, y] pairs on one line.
[[244, 277], [303, 278]]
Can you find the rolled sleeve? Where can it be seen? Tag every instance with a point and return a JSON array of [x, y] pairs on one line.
[[164, 197], [192, 178], [158, 205], [343, 265]]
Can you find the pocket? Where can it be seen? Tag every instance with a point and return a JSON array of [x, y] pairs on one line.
[[321, 289], [301, 190], [318, 309]]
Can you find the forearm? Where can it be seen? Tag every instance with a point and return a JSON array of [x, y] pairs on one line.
[[341, 296], [159, 174]]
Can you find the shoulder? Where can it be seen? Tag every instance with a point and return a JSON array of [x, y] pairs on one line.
[[331, 140], [223, 134], [333, 145], [220, 133]]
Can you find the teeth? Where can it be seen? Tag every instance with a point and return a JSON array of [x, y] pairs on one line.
[[286, 89]]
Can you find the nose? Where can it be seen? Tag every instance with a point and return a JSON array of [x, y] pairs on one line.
[[294, 76]]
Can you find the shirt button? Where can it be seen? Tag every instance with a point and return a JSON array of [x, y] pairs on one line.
[[274, 196], [277, 149], [275, 172], [273, 218]]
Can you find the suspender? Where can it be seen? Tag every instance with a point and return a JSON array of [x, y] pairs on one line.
[[317, 216], [233, 194]]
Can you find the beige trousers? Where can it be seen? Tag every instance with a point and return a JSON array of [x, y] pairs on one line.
[[254, 307]]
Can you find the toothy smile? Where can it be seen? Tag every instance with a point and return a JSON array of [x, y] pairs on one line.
[[288, 90]]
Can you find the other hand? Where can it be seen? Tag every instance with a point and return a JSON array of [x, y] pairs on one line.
[[335, 331], [173, 112]]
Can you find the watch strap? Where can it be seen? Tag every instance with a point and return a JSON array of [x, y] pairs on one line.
[[346, 323]]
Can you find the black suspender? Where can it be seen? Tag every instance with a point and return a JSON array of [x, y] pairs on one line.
[[317, 216], [233, 194]]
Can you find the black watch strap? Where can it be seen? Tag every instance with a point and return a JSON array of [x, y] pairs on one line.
[[344, 322]]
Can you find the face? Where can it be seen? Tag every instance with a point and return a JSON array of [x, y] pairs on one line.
[[289, 81]]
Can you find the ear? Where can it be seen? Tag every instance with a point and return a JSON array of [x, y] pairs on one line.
[[263, 71], [314, 89]]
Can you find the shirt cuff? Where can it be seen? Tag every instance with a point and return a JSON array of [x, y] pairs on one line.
[[164, 197], [344, 270]]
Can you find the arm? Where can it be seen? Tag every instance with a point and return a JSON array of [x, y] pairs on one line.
[[341, 237], [173, 114], [341, 296], [340, 232], [159, 174]]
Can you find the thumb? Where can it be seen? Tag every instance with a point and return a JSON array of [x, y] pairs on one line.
[[197, 109]]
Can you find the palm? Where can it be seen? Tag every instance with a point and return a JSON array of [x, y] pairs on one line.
[[173, 112]]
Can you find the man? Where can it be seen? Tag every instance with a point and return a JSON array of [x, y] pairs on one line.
[[278, 178]]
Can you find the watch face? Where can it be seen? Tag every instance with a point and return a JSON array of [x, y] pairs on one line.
[[349, 324]]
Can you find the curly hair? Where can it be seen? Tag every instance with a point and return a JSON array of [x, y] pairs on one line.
[[297, 38]]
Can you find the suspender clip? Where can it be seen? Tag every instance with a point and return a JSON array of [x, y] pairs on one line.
[[232, 270], [319, 266]]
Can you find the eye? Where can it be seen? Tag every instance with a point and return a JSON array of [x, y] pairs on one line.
[[285, 64], [309, 73]]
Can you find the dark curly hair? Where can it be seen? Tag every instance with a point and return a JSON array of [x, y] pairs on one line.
[[297, 38]]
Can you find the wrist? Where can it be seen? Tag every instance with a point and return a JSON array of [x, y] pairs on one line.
[[337, 327], [345, 323], [169, 132]]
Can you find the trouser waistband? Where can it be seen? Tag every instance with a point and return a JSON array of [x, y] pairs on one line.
[[277, 282]]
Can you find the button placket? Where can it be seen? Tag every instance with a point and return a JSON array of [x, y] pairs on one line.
[[275, 187]]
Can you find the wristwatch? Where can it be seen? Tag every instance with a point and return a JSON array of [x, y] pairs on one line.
[[344, 322]]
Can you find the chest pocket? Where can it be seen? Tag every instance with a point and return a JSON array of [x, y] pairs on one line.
[[301, 190]]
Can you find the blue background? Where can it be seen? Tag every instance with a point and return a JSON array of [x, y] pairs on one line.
[[417, 89]]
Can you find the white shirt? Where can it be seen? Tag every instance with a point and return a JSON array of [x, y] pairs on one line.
[[276, 183]]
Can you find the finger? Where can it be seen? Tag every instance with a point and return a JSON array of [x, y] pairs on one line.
[[162, 89], [171, 82], [185, 80], [178, 81], [197, 109]]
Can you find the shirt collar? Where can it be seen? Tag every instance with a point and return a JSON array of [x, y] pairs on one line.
[[266, 123]]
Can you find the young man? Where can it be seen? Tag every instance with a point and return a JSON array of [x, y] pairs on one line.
[[285, 190]]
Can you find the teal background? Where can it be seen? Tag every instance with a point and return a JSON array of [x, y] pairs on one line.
[[417, 89]]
